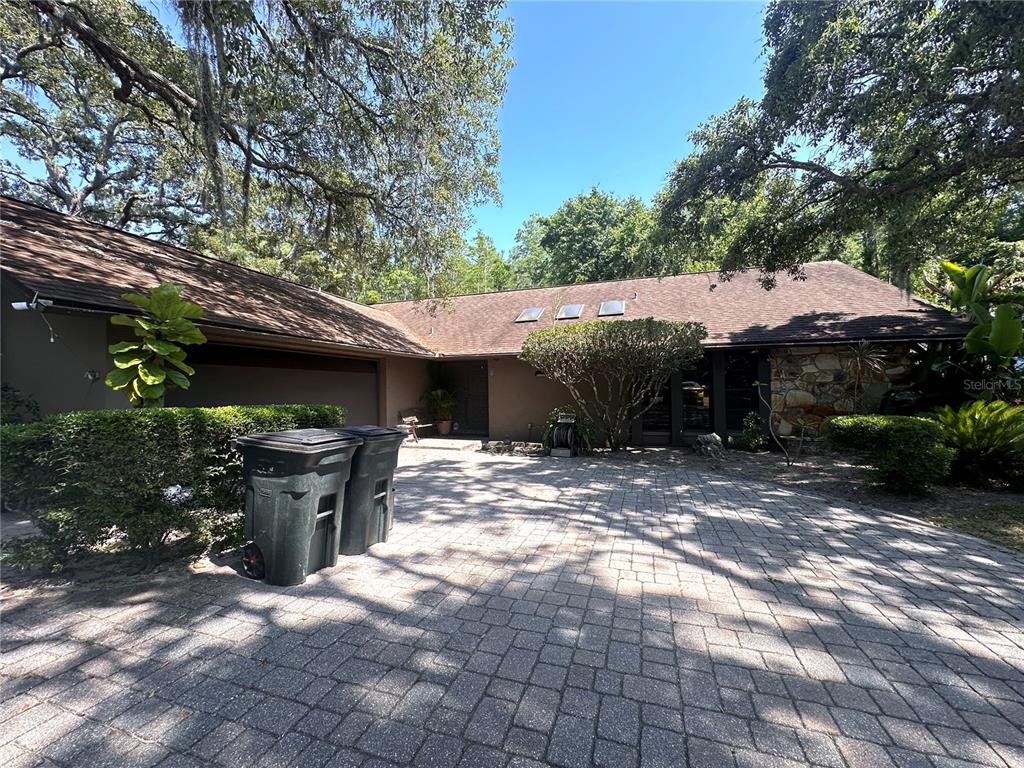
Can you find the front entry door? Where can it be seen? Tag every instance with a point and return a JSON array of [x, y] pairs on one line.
[[467, 380]]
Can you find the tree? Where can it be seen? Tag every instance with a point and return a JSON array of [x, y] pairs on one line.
[[396, 284], [476, 266], [614, 370], [596, 236], [79, 149], [531, 263], [361, 113], [483, 268], [979, 230], [283, 237], [874, 115]]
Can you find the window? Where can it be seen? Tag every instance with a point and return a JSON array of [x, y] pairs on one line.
[[740, 393], [530, 315], [696, 397], [569, 312], [658, 418], [613, 307]]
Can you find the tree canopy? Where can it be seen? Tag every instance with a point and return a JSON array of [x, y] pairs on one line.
[[81, 150], [596, 236], [484, 268], [341, 144], [368, 117], [891, 118]]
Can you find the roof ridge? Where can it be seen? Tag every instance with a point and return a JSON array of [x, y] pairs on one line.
[[602, 282], [550, 287]]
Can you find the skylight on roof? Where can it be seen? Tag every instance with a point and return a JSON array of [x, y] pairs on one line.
[[569, 312], [530, 315], [612, 307]]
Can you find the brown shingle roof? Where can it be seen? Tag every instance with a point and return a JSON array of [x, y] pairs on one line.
[[835, 303], [82, 265], [79, 264]]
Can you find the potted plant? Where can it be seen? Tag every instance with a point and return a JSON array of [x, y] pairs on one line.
[[441, 404]]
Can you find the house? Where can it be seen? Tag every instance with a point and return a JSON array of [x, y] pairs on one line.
[[270, 341], [273, 341]]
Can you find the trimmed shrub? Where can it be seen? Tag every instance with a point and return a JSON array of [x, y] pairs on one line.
[[614, 369], [24, 477], [752, 438], [16, 407], [988, 439], [907, 451], [136, 475]]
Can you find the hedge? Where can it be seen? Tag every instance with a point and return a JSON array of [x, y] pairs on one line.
[[135, 476], [907, 451]]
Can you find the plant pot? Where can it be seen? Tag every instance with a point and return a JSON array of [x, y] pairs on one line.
[[444, 427]]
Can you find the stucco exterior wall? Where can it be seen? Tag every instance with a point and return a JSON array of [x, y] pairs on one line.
[[404, 380], [520, 400], [809, 384], [54, 374]]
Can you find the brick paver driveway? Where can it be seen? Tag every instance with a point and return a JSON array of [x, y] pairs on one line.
[[532, 612]]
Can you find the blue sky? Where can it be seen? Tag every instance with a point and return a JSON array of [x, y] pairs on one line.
[[606, 94]]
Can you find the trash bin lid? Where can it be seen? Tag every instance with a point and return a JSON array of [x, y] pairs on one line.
[[300, 440], [371, 432]]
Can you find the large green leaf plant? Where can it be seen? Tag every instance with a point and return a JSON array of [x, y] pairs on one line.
[[998, 333], [155, 362]]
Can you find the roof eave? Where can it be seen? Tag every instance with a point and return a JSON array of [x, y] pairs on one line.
[[892, 339], [247, 337]]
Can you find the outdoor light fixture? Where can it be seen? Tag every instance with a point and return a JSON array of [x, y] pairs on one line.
[[36, 305]]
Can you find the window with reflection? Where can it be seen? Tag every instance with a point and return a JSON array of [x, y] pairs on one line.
[[658, 418], [696, 397], [740, 391]]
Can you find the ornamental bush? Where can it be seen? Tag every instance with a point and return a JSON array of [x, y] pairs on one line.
[[135, 476], [614, 369], [989, 441], [155, 361], [907, 451]]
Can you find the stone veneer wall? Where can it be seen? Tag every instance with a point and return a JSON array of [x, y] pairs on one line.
[[810, 384]]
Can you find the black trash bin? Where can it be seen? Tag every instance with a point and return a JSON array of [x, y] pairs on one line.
[[294, 495], [369, 495]]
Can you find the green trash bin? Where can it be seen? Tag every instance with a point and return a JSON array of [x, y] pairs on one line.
[[294, 496], [369, 495]]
